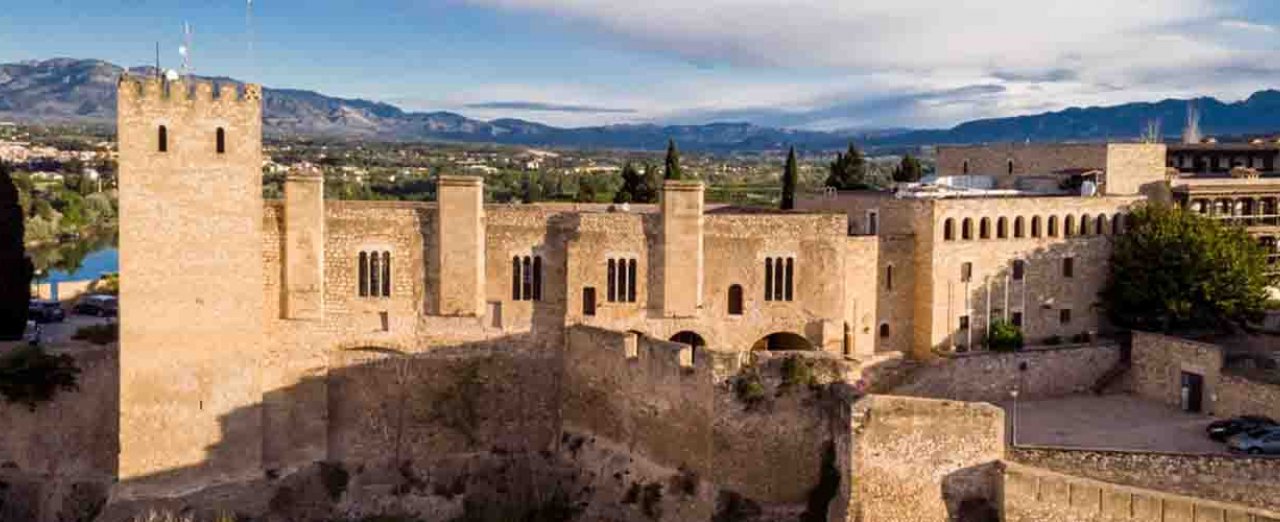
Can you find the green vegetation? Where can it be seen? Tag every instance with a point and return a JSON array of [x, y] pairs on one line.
[[797, 371], [849, 171], [909, 170], [1175, 270], [1004, 336], [15, 267], [637, 187], [671, 165], [790, 178], [749, 387], [29, 375]]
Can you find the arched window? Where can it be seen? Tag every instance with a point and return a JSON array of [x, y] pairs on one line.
[[1068, 226], [984, 228], [964, 168], [364, 274], [1010, 167], [386, 274], [966, 229], [375, 273], [949, 229], [1035, 226], [1019, 228], [221, 141], [631, 280], [779, 275], [526, 278], [735, 299], [1053, 227], [888, 277], [622, 280], [1117, 225], [1100, 225], [163, 137], [884, 330], [1002, 228]]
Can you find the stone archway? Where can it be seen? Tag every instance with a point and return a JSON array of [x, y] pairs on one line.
[[783, 341], [690, 338]]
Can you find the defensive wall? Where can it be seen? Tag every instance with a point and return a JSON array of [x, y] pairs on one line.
[[1035, 372], [1038, 495]]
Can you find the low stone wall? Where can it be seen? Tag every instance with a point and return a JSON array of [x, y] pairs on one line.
[[1240, 396], [1160, 360], [991, 376], [1037, 495], [1250, 481]]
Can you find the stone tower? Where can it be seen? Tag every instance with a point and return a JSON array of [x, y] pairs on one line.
[[681, 248], [460, 230], [192, 276]]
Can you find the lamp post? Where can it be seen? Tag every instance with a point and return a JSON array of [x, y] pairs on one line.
[[1014, 435]]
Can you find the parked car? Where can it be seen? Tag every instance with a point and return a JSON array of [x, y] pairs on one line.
[[99, 305], [42, 311], [1258, 442], [1227, 428]]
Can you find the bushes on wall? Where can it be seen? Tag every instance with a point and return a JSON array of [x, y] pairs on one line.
[[797, 372], [29, 375], [1004, 336], [98, 333], [749, 388]]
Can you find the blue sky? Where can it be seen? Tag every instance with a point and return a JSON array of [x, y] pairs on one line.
[[818, 64]]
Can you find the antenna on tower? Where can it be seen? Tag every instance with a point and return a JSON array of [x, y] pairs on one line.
[[248, 22], [158, 74], [1191, 133]]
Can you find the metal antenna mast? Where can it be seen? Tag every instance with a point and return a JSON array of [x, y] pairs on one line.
[[185, 49]]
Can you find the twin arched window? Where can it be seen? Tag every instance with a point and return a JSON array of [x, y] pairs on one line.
[[526, 278], [622, 280], [375, 274], [779, 275]]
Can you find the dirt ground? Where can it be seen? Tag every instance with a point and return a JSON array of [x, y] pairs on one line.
[[1122, 422]]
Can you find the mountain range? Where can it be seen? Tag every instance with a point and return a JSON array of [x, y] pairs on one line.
[[66, 90]]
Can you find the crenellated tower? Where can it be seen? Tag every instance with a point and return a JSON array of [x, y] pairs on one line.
[[192, 275]]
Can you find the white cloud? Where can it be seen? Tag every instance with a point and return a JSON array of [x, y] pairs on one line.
[[920, 57]]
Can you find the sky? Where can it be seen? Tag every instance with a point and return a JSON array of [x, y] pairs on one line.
[[807, 64]]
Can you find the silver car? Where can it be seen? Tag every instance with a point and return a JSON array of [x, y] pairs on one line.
[[1264, 441]]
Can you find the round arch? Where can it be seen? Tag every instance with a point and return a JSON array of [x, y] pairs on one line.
[[690, 338], [783, 341]]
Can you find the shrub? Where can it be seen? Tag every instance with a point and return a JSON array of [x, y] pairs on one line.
[[1004, 336], [749, 388], [651, 501], [29, 375], [98, 333], [797, 371]]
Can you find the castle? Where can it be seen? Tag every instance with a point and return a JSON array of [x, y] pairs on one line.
[[262, 336]]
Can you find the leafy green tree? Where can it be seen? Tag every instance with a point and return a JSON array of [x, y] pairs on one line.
[[790, 177], [909, 170], [672, 164], [15, 266], [650, 187], [1174, 270], [849, 171]]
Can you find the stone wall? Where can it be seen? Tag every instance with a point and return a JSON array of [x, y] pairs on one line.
[[909, 459], [1160, 360], [1037, 495], [991, 376], [1249, 481]]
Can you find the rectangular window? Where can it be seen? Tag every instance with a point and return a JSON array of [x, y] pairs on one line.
[[1019, 269], [1016, 319], [515, 278], [873, 222], [364, 274], [613, 278], [788, 284], [777, 278], [526, 278], [386, 274], [966, 272], [1069, 267], [589, 301], [631, 281], [964, 322], [622, 280], [768, 279], [537, 278], [1064, 316], [888, 277]]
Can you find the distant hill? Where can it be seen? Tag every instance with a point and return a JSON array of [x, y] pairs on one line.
[[65, 90]]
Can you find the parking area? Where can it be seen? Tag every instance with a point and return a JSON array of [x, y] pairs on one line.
[[62, 331], [1121, 422]]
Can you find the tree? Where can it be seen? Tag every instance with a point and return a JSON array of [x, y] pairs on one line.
[[672, 165], [909, 170], [15, 266], [790, 177], [632, 185], [1173, 270], [849, 171], [1004, 336], [650, 187]]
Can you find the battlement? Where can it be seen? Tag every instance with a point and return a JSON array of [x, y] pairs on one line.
[[148, 88]]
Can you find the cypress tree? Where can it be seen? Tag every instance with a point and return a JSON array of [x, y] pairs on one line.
[[632, 185], [672, 169], [15, 267], [790, 177], [909, 170], [848, 171]]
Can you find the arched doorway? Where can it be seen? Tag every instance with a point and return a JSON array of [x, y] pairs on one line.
[[690, 338], [783, 341]]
